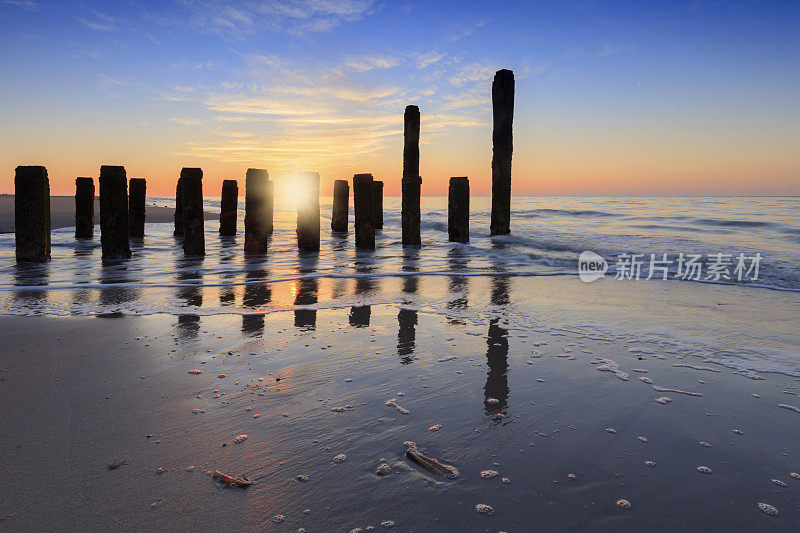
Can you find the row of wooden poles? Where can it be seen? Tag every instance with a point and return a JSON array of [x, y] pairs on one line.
[[122, 202]]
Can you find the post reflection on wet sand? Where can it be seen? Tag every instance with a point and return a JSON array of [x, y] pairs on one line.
[[306, 292], [360, 315], [188, 270], [31, 275], [255, 295], [496, 389], [407, 318], [118, 272], [457, 285]]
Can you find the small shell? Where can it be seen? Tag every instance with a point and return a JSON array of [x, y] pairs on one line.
[[571, 476], [767, 508], [611, 430], [492, 401], [339, 459], [488, 474], [663, 400], [643, 439], [738, 431], [704, 444], [778, 482], [435, 427], [623, 504], [704, 469], [240, 438], [794, 475], [651, 464], [486, 509]]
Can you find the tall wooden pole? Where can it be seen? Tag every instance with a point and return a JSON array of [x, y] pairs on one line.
[[228, 208], [411, 182], [308, 214], [137, 190], [32, 213], [502, 147], [194, 240], [458, 210], [341, 205], [114, 223], [377, 204], [257, 218], [363, 198], [84, 208]]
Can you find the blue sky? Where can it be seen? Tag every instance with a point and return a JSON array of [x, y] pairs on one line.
[[612, 97]]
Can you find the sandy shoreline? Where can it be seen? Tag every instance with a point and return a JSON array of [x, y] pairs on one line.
[[81, 391], [62, 213]]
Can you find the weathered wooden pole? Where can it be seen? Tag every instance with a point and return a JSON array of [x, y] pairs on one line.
[[178, 209], [84, 208], [458, 209], [269, 207], [411, 182], [194, 241], [137, 190], [377, 204], [32, 213], [502, 147], [308, 213], [341, 205], [257, 218], [114, 223], [228, 207], [363, 198]]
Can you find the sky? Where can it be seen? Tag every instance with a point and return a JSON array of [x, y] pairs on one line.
[[612, 98]]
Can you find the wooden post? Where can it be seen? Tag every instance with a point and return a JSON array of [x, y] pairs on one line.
[[377, 205], [257, 217], [458, 210], [502, 147], [411, 182], [114, 223], [308, 213], [84, 208], [363, 198], [341, 205], [179, 209], [137, 190], [32, 213], [269, 207], [229, 205], [194, 241]]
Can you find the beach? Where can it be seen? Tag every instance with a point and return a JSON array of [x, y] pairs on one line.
[[312, 375], [62, 212]]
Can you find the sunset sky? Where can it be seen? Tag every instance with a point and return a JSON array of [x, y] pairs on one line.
[[611, 97]]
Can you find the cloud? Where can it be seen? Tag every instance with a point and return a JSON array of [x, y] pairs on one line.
[[27, 5], [367, 63], [474, 72], [428, 59], [610, 50], [460, 31], [103, 22], [292, 16]]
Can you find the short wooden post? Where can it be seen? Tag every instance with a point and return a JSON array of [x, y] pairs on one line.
[[194, 241], [411, 181], [377, 205], [257, 218], [178, 209], [502, 147], [308, 213], [32, 213], [228, 208], [458, 210], [84, 208], [269, 207], [137, 190], [363, 198], [341, 205], [114, 223]]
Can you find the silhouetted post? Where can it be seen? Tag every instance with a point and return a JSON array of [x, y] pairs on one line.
[[377, 204], [137, 190], [341, 205], [458, 209], [363, 198], [194, 240], [228, 208], [308, 213], [269, 206], [502, 146], [32, 213], [84, 208], [257, 217], [411, 182], [114, 223], [179, 209]]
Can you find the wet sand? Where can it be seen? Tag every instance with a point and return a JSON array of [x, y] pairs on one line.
[[62, 213], [533, 403]]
